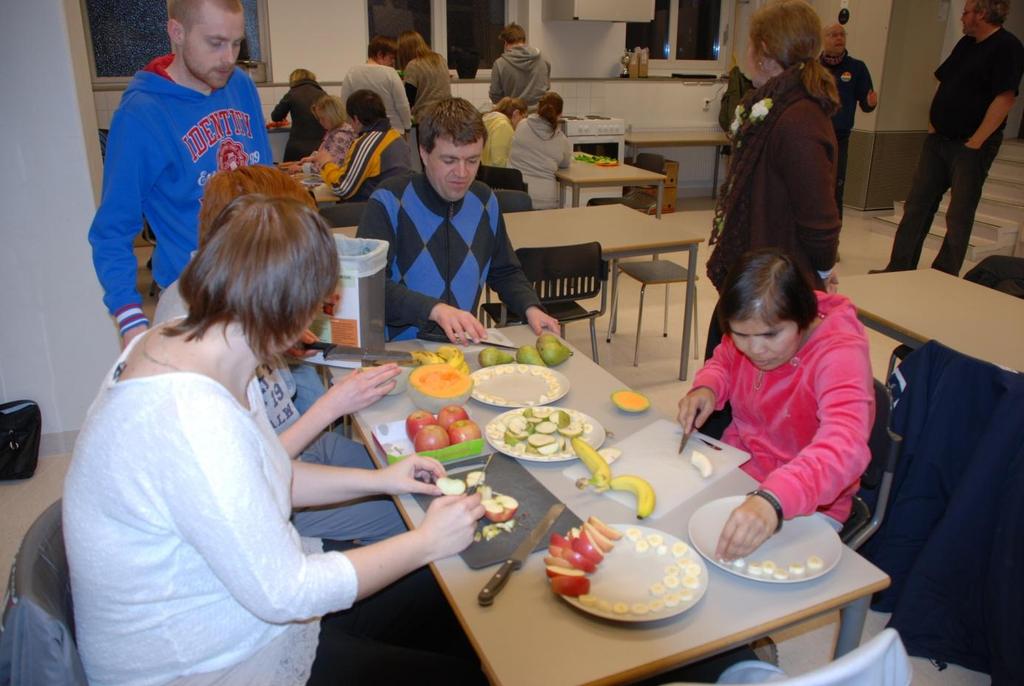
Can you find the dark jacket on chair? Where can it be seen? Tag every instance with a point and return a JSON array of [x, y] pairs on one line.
[[953, 539]]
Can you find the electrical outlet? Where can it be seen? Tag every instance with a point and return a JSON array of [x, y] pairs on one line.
[[707, 104]]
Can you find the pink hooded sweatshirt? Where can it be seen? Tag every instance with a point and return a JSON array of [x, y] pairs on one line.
[[806, 424]]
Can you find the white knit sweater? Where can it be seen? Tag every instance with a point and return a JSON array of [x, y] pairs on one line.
[[183, 560]]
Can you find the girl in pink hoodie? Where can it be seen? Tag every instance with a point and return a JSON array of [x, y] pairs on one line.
[[795, 367]]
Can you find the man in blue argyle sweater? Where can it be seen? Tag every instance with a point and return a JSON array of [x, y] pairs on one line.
[[447, 237]]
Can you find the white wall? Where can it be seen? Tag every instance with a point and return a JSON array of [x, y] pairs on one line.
[[56, 340], [324, 36]]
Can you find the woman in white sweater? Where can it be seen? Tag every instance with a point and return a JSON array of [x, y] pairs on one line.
[[539, 149], [185, 568]]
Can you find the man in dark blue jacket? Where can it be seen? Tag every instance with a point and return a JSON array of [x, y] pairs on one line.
[[853, 80], [447, 237]]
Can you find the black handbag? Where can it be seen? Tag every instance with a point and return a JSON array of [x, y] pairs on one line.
[[20, 427]]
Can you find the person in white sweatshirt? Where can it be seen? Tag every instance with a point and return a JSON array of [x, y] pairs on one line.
[[539, 149], [379, 75]]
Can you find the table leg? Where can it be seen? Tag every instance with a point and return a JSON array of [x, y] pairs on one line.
[[661, 195], [613, 324], [851, 626], [575, 195], [561, 195], [714, 180], [691, 295]]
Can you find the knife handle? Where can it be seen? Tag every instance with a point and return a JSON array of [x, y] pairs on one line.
[[497, 582], [318, 345]]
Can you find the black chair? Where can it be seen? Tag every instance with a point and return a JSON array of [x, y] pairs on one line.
[[37, 645], [561, 275], [637, 198], [104, 134], [343, 214], [513, 201], [501, 177], [876, 482]]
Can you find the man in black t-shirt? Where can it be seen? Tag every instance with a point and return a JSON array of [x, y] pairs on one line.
[[853, 80], [978, 84]]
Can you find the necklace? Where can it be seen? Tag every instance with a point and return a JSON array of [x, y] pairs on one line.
[[759, 380], [152, 359]]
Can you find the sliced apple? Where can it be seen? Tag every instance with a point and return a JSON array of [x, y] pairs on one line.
[[474, 479], [701, 463], [555, 561], [571, 586], [537, 440], [500, 508], [580, 561], [550, 448], [584, 546], [450, 486], [558, 570], [597, 538], [607, 531], [546, 427], [559, 540]]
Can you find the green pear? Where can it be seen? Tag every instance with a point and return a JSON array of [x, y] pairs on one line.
[[492, 356], [528, 354], [552, 350]]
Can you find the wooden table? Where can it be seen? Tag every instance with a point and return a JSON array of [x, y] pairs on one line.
[[917, 306], [580, 175], [671, 138], [622, 232], [531, 637]]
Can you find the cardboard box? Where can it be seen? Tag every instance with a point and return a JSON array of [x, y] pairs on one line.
[[671, 173]]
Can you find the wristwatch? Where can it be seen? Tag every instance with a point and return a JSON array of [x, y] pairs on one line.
[[773, 501]]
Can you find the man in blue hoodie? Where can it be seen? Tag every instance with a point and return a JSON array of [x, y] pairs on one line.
[[184, 117]]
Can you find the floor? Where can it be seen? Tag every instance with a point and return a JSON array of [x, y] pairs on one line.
[[801, 648]]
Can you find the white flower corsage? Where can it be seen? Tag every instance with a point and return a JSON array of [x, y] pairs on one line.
[[760, 110], [737, 120]]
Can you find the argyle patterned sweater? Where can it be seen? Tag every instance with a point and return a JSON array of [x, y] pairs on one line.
[[441, 251]]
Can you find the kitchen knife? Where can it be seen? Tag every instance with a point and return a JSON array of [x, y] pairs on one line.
[[483, 475], [493, 344], [344, 352], [686, 437], [500, 578]]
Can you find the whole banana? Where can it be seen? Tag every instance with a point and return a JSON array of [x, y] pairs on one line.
[[601, 473], [639, 487]]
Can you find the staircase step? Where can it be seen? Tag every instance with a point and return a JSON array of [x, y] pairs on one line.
[[977, 249], [1003, 188], [988, 228], [994, 211], [1011, 149], [1008, 169]]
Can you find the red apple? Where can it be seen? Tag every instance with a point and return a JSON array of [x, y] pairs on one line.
[[555, 561], [463, 430], [583, 546], [597, 538], [557, 570], [607, 531], [559, 551], [451, 414], [500, 508], [572, 586], [430, 437], [416, 421], [559, 540]]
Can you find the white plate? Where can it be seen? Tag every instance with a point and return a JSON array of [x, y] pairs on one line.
[[799, 539], [626, 576], [494, 432], [518, 385]]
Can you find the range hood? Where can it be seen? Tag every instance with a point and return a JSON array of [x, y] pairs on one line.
[[599, 10]]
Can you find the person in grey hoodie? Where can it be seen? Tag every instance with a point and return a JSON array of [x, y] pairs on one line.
[[539, 149], [520, 72]]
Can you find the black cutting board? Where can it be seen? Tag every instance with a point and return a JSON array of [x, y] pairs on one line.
[[506, 475]]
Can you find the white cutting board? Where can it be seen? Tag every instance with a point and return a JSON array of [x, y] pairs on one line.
[[652, 452]]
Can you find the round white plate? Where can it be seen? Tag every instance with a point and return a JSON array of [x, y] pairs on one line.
[[799, 539], [518, 385], [494, 432], [627, 576]]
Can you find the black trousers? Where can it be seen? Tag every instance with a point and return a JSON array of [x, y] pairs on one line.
[[405, 633], [944, 164], [843, 150]]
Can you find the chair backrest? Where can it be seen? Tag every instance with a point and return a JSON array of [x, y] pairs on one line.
[[882, 661], [513, 201], [343, 214], [37, 645], [501, 177], [650, 161], [565, 272], [104, 134]]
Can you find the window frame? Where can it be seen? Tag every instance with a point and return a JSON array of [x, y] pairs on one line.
[[120, 82], [726, 40]]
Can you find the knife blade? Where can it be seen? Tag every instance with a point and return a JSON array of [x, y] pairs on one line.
[[518, 557], [483, 475], [686, 437], [494, 344], [344, 352]]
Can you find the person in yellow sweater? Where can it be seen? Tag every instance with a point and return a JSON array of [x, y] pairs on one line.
[[379, 153], [501, 124]]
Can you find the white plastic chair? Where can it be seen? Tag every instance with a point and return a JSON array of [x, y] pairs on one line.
[[882, 661]]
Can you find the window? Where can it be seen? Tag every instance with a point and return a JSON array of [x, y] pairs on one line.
[[473, 29], [685, 33], [124, 35], [394, 17]]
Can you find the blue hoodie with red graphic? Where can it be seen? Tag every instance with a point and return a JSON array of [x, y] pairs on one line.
[[165, 142]]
